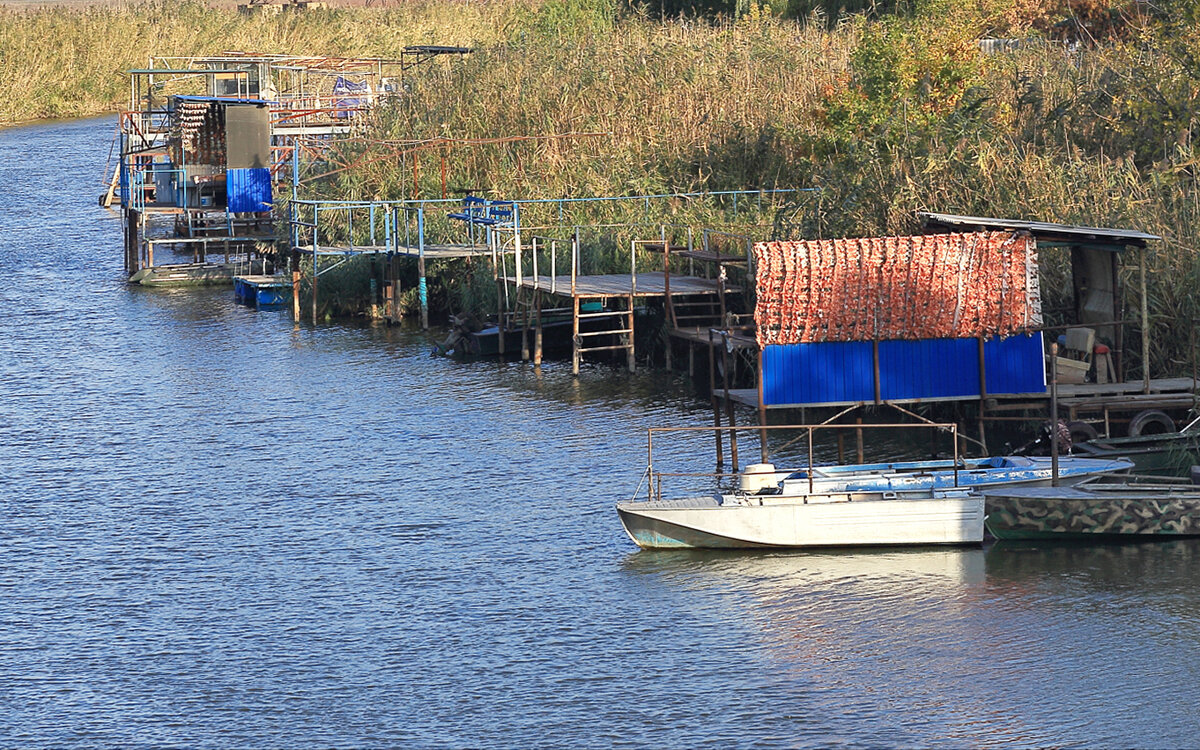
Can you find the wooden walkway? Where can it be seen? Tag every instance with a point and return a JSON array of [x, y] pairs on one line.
[[432, 252], [649, 284]]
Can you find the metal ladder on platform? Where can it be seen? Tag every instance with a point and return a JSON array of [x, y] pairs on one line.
[[624, 335]]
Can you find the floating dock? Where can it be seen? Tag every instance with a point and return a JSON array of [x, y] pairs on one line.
[[262, 291]]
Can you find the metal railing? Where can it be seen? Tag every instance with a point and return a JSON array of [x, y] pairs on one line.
[[654, 478]]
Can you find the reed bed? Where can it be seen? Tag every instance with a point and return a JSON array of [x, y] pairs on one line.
[[884, 115], [62, 61]]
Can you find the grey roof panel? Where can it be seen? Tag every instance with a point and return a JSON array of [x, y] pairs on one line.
[[1040, 229]]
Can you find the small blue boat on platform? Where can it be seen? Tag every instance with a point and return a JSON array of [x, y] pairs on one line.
[[261, 291]]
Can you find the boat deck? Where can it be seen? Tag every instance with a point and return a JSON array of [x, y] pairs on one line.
[[699, 501]]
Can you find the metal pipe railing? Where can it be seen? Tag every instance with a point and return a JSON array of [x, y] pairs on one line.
[[654, 490]]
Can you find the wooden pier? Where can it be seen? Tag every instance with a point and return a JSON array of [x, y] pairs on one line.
[[604, 288]]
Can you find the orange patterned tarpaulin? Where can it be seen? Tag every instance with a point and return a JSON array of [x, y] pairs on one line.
[[880, 288]]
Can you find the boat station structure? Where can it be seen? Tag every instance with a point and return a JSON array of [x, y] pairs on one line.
[[951, 314], [204, 148]]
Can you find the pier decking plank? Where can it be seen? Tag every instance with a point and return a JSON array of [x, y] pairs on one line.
[[439, 252], [649, 284]]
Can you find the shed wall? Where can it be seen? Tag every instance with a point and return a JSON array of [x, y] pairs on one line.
[[840, 372]]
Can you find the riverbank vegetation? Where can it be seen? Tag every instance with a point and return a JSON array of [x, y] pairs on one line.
[[1088, 116]]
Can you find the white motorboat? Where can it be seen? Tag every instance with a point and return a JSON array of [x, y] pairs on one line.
[[829, 519]]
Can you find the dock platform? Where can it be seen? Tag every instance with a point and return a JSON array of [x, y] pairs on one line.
[[647, 284], [432, 252], [601, 289], [184, 274]]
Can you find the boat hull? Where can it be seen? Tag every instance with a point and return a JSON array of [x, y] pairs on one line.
[[842, 520], [1103, 512]]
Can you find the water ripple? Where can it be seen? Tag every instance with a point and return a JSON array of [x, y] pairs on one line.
[[221, 530]]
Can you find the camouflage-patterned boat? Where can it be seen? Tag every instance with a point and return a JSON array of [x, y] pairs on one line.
[[1093, 511]]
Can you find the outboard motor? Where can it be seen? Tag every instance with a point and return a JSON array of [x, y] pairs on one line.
[[756, 478]]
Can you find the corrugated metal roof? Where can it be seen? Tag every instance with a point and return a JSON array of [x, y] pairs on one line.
[[1040, 229]]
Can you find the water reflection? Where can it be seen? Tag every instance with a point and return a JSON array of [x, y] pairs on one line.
[[964, 646]]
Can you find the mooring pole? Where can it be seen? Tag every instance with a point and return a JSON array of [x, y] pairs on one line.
[[422, 291], [632, 361], [762, 411], [729, 411], [982, 397], [316, 223], [1145, 325], [1054, 414], [858, 439], [575, 355], [296, 295], [537, 334], [712, 397]]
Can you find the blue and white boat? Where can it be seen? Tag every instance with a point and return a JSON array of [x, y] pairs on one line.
[[900, 503]]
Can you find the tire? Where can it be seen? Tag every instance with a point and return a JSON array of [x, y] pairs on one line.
[[1150, 422], [1081, 432]]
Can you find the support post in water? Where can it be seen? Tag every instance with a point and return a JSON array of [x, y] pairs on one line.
[[712, 396], [422, 293], [574, 332], [762, 411], [1054, 414], [296, 295], [729, 412], [631, 358], [537, 334]]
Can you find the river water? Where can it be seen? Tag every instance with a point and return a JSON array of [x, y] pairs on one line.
[[223, 530]]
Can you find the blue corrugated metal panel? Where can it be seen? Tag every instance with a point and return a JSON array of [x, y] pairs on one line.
[[818, 373], [124, 184], [1015, 364], [248, 190], [929, 369]]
